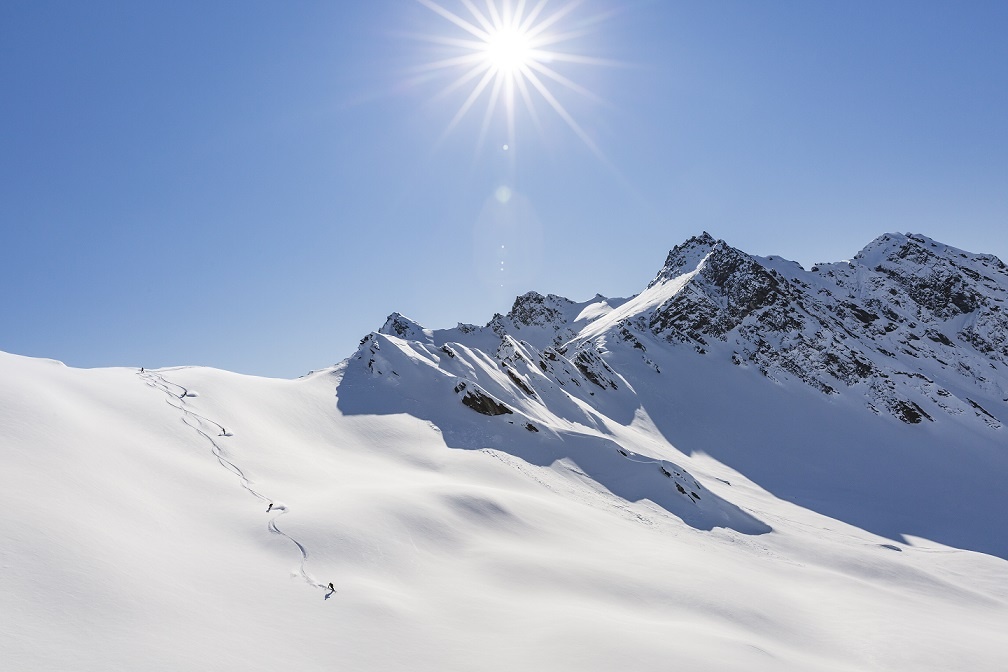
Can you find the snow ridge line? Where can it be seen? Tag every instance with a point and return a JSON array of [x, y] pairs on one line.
[[159, 382]]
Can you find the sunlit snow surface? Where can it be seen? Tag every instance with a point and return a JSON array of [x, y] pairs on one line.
[[458, 541], [686, 479]]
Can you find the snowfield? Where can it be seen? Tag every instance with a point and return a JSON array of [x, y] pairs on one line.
[[486, 498], [128, 545]]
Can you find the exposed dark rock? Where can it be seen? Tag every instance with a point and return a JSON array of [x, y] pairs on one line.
[[861, 314], [594, 368], [516, 379], [480, 401], [908, 411], [939, 337], [980, 408]]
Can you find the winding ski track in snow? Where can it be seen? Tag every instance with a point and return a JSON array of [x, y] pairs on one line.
[[197, 422]]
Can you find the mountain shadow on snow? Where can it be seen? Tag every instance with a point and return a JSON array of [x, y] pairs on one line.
[[872, 390], [392, 376]]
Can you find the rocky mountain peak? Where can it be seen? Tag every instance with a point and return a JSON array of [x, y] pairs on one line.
[[941, 281], [401, 326], [905, 312], [534, 309], [685, 257]]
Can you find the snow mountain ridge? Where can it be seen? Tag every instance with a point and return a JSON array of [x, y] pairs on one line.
[[746, 466], [915, 328], [753, 360]]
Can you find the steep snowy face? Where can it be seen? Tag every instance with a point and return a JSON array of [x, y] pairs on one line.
[[915, 326], [730, 287], [935, 284], [936, 316]]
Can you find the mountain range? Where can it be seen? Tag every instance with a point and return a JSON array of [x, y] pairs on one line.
[[916, 328], [747, 465]]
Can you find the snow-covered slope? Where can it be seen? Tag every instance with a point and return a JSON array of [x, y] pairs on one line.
[[746, 466]]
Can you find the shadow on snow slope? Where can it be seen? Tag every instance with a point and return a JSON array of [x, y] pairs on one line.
[[426, 392], [942, 481]]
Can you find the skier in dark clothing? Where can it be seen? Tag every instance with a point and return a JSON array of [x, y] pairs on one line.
[[331, 587], [268, 508]]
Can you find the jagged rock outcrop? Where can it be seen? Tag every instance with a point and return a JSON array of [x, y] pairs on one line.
[[480, 401], [591, 364]]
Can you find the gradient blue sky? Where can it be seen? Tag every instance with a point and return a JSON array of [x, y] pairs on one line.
[[254, 186]]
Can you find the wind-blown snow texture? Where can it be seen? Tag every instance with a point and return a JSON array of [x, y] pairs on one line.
[[749, 465]]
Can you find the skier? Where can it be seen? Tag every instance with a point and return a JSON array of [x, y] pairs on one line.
[[141, 369], [269, 507], [331, 587]]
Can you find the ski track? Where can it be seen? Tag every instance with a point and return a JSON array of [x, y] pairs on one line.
[[195, 421]]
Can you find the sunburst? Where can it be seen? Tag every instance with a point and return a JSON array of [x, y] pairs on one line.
[[509, 50]]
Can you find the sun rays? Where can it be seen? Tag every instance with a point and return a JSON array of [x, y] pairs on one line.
[[502, 51]]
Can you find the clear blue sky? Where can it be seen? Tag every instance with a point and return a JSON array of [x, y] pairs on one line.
[[256, 185]]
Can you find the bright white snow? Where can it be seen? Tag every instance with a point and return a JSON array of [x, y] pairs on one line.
[[460, 541]]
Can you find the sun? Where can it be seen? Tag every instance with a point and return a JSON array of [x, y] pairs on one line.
[[510, 51]]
